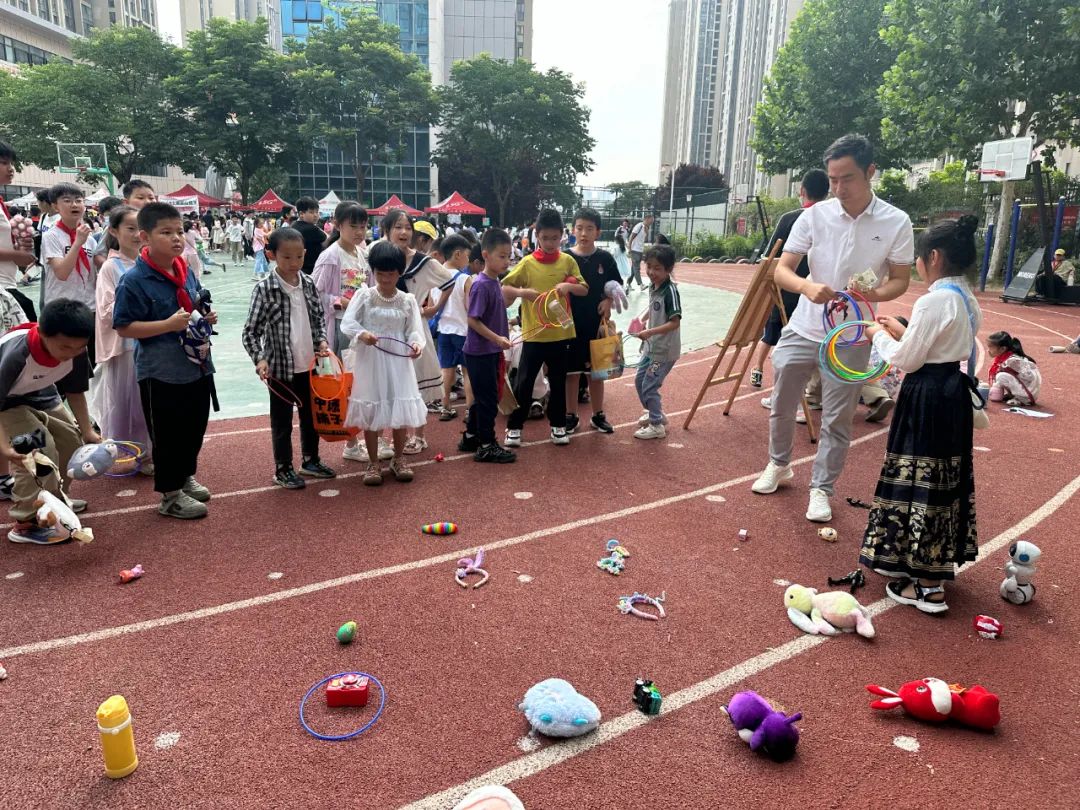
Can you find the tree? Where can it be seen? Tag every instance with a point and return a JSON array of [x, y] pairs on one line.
[[824, 84], [632, 199], [361, 93], [690, 178], [235, 92], [273, 176], [970, 71], [113, 94], [506, 124]]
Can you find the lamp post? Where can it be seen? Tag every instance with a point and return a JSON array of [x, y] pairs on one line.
[[690, 197]]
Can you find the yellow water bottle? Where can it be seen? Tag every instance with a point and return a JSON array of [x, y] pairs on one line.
[[117, 737]]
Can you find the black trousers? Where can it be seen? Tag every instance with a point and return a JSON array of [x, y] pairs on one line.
[[176, 416], [534, 356], [281, 411], [484, 378], [24, 302]]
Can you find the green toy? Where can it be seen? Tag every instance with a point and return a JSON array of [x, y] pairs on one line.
[[346, 633]]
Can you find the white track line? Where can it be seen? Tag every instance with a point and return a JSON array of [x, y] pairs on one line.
[[557, 753], [127, 510], [374, 573], [1032, 323]]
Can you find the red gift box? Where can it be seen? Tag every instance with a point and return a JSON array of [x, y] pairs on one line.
[[348, 690]]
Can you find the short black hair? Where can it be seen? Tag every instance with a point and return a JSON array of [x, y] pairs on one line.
[[386, 256], [816, 184], [453, 243], [305, 204], [664, 255], [955, 238], [549, 220], [67, 317], [283, 234], [151, 214], [129, 187], [43, 196], [493, 237], [65, 190], [589, 215], [7, 152], [476, 252], [857, 147], [107, 204]]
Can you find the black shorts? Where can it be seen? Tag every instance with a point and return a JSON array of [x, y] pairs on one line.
[[579, 360], [77, 381]]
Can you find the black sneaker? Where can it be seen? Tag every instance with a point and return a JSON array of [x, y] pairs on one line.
[[313, 468], [536, 410], [493, 454], [468, 444], [287, 478], [572, 422], [583, 396], [600, 422]]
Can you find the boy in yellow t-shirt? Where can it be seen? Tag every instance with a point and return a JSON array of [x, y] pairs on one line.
[[545, 269]]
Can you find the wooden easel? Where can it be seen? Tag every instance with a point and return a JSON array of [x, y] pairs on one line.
[[744, 333]]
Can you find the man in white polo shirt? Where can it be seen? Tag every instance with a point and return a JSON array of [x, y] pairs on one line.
[[844, 236]]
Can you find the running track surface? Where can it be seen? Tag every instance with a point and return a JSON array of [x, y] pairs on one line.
[[208, 648]]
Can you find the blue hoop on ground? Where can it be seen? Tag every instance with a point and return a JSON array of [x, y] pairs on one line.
[[135, 453], [351, 734]]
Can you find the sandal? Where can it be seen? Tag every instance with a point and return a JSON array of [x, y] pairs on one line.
[[414, 445], [372, 475], [894, 590], [400, 469]]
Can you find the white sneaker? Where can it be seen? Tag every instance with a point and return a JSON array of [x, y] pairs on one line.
[[819, 510], [643, 420], [766, 403], [559, 436], [513, 438], [651, 431], [356, 452], [773, 476], [800, 417], [386, 450]]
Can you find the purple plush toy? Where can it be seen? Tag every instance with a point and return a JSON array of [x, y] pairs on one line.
[[768, 731]]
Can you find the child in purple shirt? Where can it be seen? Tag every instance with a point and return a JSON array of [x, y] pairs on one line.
[[484, 344]]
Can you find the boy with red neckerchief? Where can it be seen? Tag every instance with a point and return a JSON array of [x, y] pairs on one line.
[[33, 358], [155, 303], [545, 269], [70, 273]]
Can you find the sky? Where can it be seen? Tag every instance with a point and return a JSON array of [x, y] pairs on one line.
[[621, 66]]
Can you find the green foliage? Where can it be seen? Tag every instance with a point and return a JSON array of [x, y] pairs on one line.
[[512, 135], [824, 83], [114, 94], [360, 93], [276, 177], [961, 66], [632, 199], [946, 191], [714, 246], [690, 178], [242, 107]]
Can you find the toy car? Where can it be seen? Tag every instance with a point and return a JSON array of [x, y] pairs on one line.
[[647, 697]]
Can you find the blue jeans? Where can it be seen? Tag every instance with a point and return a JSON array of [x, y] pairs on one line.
[[648, 381], [262, 266]]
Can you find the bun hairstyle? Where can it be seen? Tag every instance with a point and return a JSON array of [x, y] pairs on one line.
[[955, 239]]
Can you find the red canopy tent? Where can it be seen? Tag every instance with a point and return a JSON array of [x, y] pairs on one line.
[[456, 204], [394, 202], [270, 203], [205, 200]]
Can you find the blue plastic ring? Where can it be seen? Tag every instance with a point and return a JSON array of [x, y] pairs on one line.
[[351, 734]]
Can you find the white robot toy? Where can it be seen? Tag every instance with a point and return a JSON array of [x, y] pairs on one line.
[[1019, 570]]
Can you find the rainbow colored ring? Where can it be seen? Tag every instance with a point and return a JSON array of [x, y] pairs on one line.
[[439, 528], [845, 299], [829, 360]]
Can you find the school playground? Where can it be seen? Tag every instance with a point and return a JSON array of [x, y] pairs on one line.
[[236, 616]]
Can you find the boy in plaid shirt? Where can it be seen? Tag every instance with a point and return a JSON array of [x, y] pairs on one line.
[[284, 332]]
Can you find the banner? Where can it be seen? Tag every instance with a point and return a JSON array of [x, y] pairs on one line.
[[185, 205]]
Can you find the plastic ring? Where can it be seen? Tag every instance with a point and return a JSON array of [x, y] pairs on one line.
[[135, 454], [351, 734], [830, 361]]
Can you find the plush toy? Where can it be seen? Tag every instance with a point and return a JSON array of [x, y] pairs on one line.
[[765, 730], [92, 460], [826, 613], [22, 231], [490, 797], [55, 512], [935, 701], [614, 290], [1019, 570], [555, 709]]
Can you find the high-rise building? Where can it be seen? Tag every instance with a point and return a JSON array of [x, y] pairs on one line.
[[719, 52], [195, 14], [439, 33]]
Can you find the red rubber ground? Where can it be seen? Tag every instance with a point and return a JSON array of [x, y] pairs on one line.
[[194, 658]]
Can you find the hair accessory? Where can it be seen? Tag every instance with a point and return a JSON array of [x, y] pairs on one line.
[[614, 562], [626, 605], [470, 565]]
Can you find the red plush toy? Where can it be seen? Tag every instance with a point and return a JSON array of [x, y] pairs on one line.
[[935, 701]]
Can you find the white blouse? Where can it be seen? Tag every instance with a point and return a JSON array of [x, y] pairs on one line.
[[940, 328]]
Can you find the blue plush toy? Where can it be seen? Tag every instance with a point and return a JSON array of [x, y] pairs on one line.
[[92, 460], [555, 709]]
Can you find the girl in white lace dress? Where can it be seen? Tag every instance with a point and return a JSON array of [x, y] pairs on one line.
[[384, 326]]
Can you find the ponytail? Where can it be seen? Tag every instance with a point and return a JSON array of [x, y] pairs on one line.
[[1009, 343]]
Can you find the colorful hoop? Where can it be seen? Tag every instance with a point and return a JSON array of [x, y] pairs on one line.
[[845, 300], [830, 361], [133, 455]]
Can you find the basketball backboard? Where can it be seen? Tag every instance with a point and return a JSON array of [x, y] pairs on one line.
[[1006, 159], [742, 192], [81, 158]]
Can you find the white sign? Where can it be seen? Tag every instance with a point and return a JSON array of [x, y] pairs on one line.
[[185, 205]]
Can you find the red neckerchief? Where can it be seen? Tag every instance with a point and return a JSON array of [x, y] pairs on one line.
[[808, 204], [83, 260], [546, 258], [37, 348], [177, 276], [999, 361]]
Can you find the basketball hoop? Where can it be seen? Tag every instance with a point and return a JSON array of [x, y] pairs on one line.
[[999, 173]]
